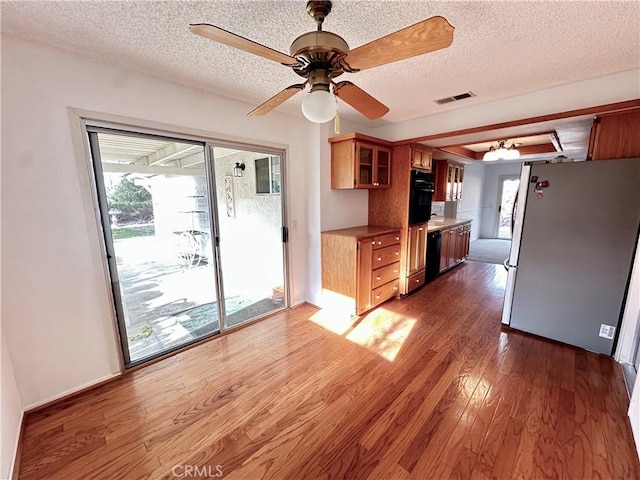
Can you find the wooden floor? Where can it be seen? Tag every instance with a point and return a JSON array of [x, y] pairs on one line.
[[427, 387]]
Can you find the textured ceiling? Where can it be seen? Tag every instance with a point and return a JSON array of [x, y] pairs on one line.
[[500, 49]]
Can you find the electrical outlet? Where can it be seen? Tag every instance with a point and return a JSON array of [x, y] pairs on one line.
[[607, 331]]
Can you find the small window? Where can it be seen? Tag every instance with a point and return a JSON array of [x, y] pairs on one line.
[[268, 175]]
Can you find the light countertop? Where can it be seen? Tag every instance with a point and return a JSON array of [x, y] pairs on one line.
[[438, 223]]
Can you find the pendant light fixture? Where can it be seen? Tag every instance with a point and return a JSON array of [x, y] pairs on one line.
[[504, 150]]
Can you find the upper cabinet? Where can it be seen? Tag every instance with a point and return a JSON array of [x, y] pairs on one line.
[[615, 135], [359, 161], [421, 158], [449, 176]]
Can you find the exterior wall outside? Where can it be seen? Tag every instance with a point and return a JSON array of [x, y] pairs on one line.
[[251, 240]]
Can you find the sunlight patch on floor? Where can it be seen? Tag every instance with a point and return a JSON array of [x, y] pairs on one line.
[[382, 332]]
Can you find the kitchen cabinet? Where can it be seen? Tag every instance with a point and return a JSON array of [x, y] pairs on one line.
[[359, 161], [360, 267], [454, 245], [448, 181], [615, 136], [421, 157], [416, 257]]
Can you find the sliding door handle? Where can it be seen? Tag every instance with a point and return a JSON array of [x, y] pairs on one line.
[[507, 265]]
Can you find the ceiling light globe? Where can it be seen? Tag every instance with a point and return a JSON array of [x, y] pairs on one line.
[[320, 106], [490, 156]]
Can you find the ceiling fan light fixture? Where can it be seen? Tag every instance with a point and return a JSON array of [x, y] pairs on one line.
[[320, 106]]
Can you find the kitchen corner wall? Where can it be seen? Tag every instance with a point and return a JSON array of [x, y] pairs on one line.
[[470, 206]]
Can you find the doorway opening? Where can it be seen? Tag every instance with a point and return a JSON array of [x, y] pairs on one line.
[[507, 191]]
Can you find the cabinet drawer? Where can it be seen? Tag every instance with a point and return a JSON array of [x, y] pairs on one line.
[[385, 274], [385, 292], [385, 240], [385, 256], [414, 281]]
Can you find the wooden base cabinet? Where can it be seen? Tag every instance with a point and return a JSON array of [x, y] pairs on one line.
[[360, 267], [416, 257], [454, 245]]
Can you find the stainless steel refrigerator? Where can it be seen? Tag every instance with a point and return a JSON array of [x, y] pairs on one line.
[[574, 238]]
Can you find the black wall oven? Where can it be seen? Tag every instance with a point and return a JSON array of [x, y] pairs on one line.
[[420, 193]]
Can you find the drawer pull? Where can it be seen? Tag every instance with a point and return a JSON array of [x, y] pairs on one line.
[[373, 242], [379, 259], [395, 288], [420, 229], [397, 253], [378, 277], [377, 297], [417, 280], [395, 271], [380, 242], [398, 238]]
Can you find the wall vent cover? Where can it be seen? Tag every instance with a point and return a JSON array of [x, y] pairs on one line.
[[455, 98]]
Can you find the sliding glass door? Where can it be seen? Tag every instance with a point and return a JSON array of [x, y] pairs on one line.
[[156, 218], [193, 237], [250, 213]]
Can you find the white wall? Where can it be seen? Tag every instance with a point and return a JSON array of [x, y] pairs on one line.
[[56, 310], [490, 203], [11, 413], [340, 208], [618, 87], [470, 206]]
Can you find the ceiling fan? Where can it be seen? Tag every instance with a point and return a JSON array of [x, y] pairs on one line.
[[320, 56]]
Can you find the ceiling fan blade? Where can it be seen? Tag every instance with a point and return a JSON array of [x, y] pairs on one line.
[[220, 35], [360, 100], [429, 35], [276, 100]]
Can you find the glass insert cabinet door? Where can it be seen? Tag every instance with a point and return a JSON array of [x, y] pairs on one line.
[[365, 164], [372, 166], [191, 247]]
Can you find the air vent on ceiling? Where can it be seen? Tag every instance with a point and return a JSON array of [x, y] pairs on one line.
[[455, 98]]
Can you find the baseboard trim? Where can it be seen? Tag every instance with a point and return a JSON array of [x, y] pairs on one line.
[[72, 393], [15, 469], [310, 304]]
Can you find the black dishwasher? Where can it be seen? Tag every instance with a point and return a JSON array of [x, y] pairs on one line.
[[433, 255]]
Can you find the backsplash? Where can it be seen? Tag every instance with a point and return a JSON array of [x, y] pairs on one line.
[[437, 208]]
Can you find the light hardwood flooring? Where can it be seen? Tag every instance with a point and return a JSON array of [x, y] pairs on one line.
[[426, 387]]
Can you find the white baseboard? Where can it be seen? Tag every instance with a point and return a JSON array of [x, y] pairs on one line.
[[13, 473], [72, 391]]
